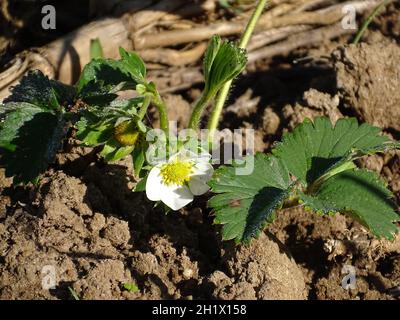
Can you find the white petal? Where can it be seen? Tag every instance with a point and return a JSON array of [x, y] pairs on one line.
[[202, 156], [198, 187], [188, 154], [153, 184], [202, 171], [176, 197]]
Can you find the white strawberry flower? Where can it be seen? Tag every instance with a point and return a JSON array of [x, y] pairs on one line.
[[175, 182]]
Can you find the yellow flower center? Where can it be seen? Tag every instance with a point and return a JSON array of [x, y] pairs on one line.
[[176, 172]]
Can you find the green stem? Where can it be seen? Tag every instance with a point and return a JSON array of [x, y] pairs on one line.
[[348, 165], [366, 23], [223, 94], [144, 107], [162, 111], [198, 109]]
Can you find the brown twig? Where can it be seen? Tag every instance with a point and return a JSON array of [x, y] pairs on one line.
[[185, 78], [174, 57], [64, 58], [267, 37], [175, 79], [300, 40], [323, 16], [18, 23], [155, 12]]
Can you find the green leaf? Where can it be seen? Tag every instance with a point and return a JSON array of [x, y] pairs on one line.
[[225, 3], [33, 125], [101, 79], [313, 148], [73, 293], [37, 89], [96, 125], [361, 195], [141, 126], [141, 185], [96, 49], [134, 64], [12, 121], [209, 56], [139, 158], [131, 287], [113, 151], [92, 131], [65, 94], [223, 62], [30, 137], [122, 152], [318, 157], [245, 204]]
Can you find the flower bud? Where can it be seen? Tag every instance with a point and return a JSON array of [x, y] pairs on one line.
[[126, 133]]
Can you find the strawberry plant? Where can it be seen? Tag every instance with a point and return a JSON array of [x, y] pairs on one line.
[[313, 166]]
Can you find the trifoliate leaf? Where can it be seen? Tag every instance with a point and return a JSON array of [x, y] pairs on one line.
[[30, 137], [102, 78], [313, 148], [37, 89], [245, 204], [223, 62], [319, 158], [134, 64], [361, 195]]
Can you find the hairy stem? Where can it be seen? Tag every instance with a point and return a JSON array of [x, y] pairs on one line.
[[223, 94], [162, 111], [144, 107], [371, 17], [198, 109]]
